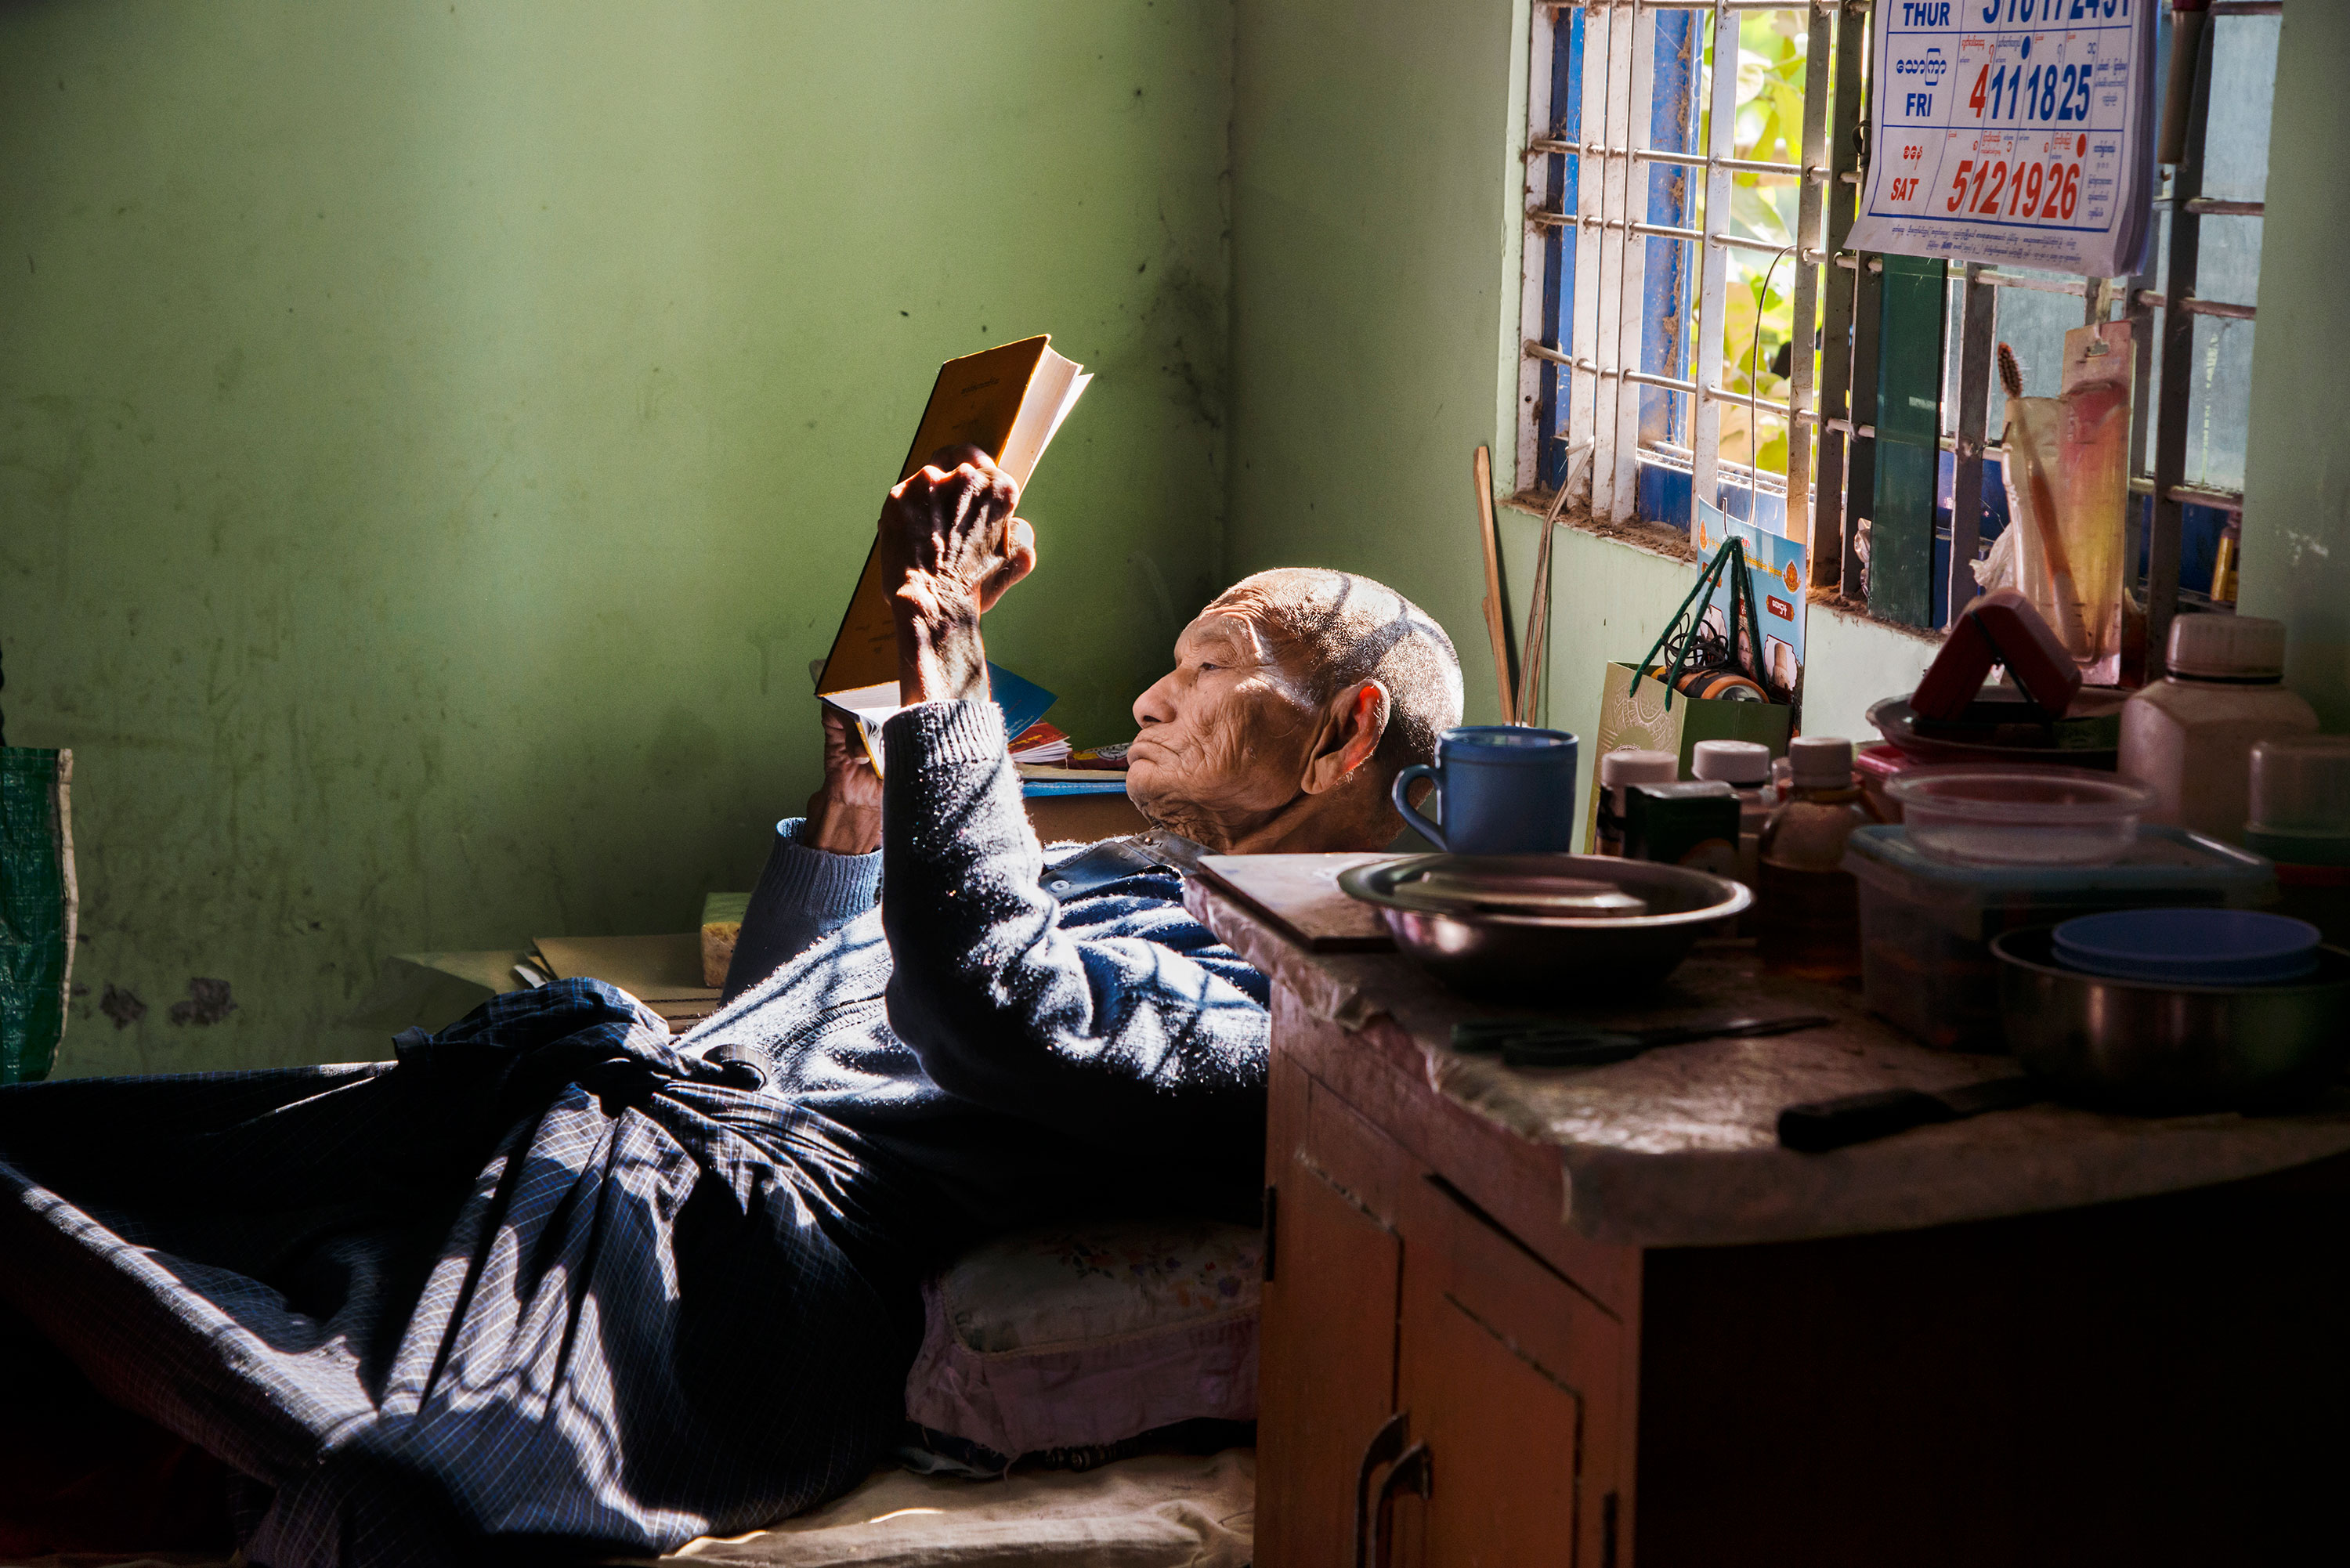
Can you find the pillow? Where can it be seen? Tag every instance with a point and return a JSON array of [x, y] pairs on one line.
[[1086, 1336]]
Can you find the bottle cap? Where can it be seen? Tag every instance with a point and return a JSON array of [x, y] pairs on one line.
[[1630, 765], [1820, 761], [1736, 761], [2226, 646]]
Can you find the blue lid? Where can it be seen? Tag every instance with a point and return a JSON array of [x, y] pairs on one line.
[[2163, 858], [2191, 946]]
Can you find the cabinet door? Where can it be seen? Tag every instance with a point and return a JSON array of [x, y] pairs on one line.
[[1512, 1378], [1328, 1335]]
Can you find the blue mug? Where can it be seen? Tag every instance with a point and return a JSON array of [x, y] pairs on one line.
[[1501, 789]]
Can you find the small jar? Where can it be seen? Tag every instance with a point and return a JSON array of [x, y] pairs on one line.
[[1618, 771], [1745, 767], [1807, 906], [2189, 736]]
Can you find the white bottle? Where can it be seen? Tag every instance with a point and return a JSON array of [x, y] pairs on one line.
[[1745, 767], [1618, 771], [2190, 736]]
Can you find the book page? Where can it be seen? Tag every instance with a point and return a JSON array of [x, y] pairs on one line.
[[1053, 391], [1008, 401]]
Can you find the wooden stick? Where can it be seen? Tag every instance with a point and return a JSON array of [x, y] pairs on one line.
[[1534, 667], [1496, 627]]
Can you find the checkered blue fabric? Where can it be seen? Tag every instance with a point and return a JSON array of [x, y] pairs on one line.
[[544, 1276]]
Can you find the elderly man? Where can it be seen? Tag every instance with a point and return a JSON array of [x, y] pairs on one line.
[[552, 1277]]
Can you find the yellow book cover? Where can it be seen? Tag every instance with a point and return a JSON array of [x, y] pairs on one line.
[[1007, 402]]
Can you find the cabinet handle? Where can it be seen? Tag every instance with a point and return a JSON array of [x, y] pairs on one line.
[[1414, 1472], [1386, 1444]]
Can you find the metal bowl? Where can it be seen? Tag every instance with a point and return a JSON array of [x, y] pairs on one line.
[[1470, 920], [2143, 1045]]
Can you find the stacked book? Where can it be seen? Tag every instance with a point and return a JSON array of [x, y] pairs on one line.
[[1098, 770], [1041, 744]]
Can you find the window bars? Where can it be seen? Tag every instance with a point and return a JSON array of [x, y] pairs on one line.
[[1611, 366], [1620, 247]]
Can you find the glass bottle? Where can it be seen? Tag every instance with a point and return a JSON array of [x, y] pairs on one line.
[[1807, 906]]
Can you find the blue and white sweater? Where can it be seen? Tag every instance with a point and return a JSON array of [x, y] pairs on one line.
[[1035, 1057]]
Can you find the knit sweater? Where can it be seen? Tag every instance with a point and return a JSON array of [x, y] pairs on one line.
[[1033, 1057]]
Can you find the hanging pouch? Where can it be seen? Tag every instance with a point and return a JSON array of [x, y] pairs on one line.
[[38, 904]]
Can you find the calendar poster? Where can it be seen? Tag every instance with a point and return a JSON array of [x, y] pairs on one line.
[[2013, 131]]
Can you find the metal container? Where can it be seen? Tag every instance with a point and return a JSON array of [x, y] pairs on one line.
[[2141, 1045], [1531, 926]]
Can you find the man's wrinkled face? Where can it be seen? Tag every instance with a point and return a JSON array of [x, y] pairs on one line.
[[1223, 737]]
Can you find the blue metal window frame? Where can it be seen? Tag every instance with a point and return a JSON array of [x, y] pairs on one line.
[[1667, 299]]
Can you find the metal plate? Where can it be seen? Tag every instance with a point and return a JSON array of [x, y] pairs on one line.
[[1523, 926]]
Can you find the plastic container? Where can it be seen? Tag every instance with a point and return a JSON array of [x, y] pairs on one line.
[[2190, 946], [2020, 816], [1875, 767], [1926, 923], [1806, 916], [2190, 735], [2300, 819], [2299, 809]]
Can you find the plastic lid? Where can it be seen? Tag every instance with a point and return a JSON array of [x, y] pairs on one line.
[[2191, 946], [2226, 645], [1736, 761], [2301, 785], [1631, 765], [2168, 865], [1820, 761]]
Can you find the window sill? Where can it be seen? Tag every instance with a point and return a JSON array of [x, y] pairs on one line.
[[1856, 612], [1655, 539]]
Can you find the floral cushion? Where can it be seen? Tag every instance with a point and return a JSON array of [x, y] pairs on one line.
[[1080, 1337]]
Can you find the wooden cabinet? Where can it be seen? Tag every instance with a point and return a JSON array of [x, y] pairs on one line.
[[1509, 1375], [1336, 1262], [1447, 1364], [1435, 1392]]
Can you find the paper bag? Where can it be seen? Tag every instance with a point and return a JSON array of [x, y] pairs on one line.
[[1632, 712]]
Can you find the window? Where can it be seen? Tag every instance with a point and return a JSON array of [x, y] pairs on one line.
[[1694, 326], [1674, 160]]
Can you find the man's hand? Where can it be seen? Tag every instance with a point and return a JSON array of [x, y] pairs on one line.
[[950, 547], [845, 815]]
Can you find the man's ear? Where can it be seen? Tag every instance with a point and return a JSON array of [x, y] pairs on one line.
[[1351, 728]]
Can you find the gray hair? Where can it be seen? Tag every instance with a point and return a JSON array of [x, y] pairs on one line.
[[1336, 630]]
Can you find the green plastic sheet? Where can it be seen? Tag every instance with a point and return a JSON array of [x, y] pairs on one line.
[[37, 909]]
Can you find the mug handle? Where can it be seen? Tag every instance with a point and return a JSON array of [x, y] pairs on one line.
[[1399, 792]]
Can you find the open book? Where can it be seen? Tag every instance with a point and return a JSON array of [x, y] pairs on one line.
[[1009, 402]]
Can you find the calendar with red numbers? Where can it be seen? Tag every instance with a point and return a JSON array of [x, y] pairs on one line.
[[2014, 131]]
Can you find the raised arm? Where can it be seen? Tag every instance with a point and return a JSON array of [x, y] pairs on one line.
[[1150, 1035]]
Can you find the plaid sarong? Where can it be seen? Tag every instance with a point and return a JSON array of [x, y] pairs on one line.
[[544, 1278]]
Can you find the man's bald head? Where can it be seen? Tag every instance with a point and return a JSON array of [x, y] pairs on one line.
[[1334, 630], [1296, 698]]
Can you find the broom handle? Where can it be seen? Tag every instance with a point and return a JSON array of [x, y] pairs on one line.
[[1495, 628]]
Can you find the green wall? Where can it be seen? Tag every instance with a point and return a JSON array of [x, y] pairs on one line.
[[2296, 559], [434, 439], [1373, 265]]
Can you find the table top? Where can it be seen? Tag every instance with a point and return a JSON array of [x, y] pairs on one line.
[[1679, 1147]]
